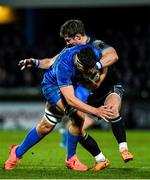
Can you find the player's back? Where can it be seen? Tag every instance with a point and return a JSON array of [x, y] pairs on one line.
[[64, 63]]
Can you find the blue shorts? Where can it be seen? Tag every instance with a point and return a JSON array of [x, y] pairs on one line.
[[52, 93]]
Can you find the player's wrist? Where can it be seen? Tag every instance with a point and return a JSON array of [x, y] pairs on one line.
[[37, 63], [99, 65], [95, 111]]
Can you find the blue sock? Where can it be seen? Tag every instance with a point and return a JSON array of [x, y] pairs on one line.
[[64, 139], [71, 144], [31, 139]]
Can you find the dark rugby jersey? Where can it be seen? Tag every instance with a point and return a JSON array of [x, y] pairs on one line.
[[113, 77]]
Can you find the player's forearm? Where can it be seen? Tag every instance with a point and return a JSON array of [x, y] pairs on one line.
[[76, 103], [103, 74], [94, 84], [68, 93], [109, 57], [45, 63], [37, 63], [102, 111]]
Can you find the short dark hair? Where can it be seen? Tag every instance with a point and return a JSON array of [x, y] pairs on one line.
[[72, 27], [87, 57]]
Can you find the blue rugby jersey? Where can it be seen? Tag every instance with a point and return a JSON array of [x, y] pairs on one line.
[[63, 72]]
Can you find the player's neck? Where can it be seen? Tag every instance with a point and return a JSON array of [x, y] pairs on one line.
[[85, 39]]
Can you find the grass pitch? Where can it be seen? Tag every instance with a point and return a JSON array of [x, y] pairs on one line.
[[46, 159]]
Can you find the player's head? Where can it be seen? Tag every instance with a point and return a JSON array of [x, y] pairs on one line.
[[85, 60], [72, 31]]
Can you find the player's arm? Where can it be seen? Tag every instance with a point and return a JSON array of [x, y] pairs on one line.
[[68, 93], [95, 83], [47, 62], [39, 63], [109, 54], [109, 57], [103, 74]]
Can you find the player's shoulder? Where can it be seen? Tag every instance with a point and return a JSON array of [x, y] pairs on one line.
[[65, 58], [100, 44], [96, 41]]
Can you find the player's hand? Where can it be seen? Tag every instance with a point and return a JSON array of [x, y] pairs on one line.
[[26, 63], [105, 113]]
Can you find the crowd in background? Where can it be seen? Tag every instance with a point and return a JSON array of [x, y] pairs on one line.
[[130, 39]]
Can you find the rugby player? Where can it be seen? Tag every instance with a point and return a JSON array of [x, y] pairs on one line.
[[109, 93], [58, 86]]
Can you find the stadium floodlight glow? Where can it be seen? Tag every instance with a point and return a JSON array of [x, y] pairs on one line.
[[7, 15]]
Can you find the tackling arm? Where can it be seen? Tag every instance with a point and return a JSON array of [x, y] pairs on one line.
[[102, 112], [109, 57], [103, 74], [92, 84]]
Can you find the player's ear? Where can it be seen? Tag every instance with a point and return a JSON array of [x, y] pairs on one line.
[[78, 36]]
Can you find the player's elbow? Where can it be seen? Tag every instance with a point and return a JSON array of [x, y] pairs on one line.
[[115, 57], [112, 55]]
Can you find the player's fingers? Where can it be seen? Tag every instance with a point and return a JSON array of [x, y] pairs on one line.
[[105, 119], [110, 116], [23, 67], [107, 107], [108, 113], [21, 63], [106, 116]]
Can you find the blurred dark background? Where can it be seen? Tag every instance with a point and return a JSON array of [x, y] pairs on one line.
[[34, 32]]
